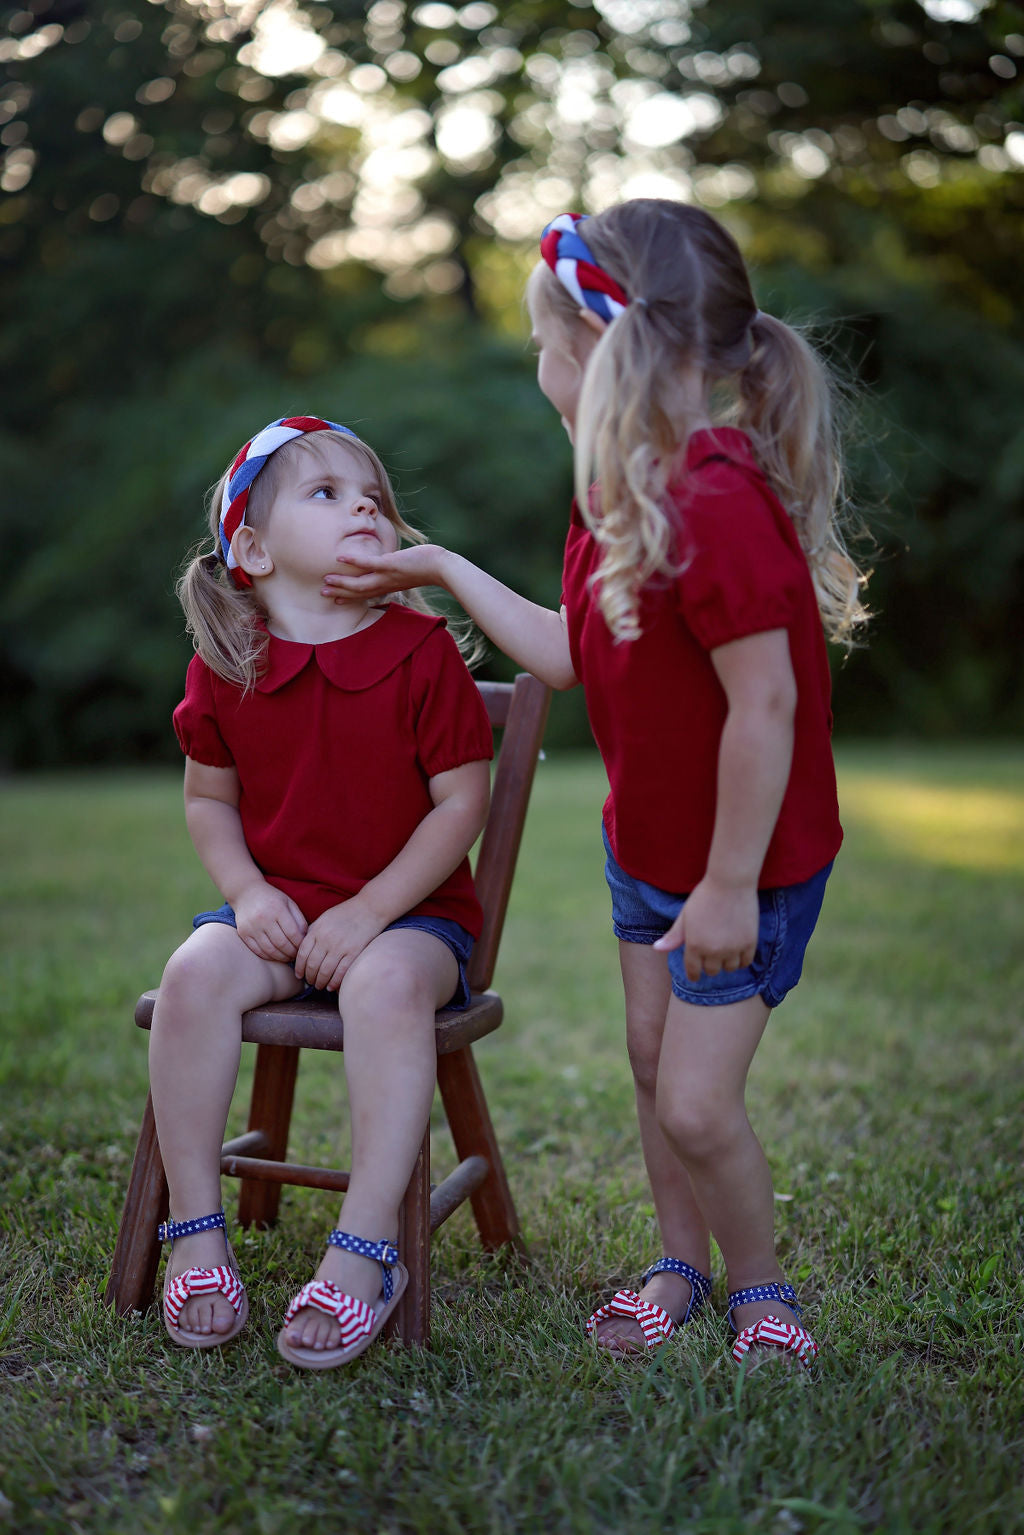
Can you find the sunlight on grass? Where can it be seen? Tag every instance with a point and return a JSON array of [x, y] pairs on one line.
[[966, 828]]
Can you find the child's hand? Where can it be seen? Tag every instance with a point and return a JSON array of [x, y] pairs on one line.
[[333, 941], [718, 925], [377, 575], [269, 922]]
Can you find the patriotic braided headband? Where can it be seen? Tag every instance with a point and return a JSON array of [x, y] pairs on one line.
[[247, 466], [572, 261]]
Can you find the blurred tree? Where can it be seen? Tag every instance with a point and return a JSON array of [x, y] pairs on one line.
[[211, 206]]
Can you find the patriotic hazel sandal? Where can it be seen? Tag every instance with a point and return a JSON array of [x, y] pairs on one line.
[[222, 1280], [654, 1322], [770, 1332], [360, 1323]]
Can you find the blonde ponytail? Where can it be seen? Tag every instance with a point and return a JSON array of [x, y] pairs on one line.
[[786, 407]]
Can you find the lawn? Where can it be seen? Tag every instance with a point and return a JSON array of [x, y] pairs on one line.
[[887, 1093]]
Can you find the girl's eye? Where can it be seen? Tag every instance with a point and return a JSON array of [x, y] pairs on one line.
[[324, 490]]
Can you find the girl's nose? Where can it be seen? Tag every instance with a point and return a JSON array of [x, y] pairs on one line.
[[364, 504]]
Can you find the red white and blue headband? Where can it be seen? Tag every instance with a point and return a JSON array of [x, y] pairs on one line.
[[572, 261], [247, 466]]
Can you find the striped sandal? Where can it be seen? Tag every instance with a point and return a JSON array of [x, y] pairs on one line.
[[770, 1332], [360, 1323], [222, 1280], [654, 1322]]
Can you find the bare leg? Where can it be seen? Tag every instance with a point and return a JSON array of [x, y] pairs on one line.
[[194, 1047], [684, 1231], [388, 1000], [705, 1056]]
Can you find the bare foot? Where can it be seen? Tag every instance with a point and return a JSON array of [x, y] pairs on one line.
[[202, 1313], [352, 1275], [622, 1334]]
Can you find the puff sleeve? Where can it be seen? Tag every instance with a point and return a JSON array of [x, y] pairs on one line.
[[743, 568], [195, 719], [451, 721]]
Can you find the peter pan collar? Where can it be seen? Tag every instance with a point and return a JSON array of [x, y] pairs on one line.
[[356, 662], [719, 442]]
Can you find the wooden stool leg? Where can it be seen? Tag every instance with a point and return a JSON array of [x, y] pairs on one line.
[[470, 1123], [270, 1111], [410, 1319], [137, 1253]]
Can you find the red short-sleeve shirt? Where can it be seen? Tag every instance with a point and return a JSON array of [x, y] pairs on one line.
[[335, 749], [656, 705]]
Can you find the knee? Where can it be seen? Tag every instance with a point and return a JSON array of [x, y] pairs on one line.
[[193, 978], [382, 991], [699, 1128]]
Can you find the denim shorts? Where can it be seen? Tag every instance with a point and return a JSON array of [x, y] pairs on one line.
[[642, 913], [451, 934]]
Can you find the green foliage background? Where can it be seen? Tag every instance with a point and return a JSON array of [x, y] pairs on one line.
[[143, 336]]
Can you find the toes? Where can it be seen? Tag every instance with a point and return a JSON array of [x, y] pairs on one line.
[[312, 1329], [207, 1315], [223, 1318], [622, 1337], [196, 1317]]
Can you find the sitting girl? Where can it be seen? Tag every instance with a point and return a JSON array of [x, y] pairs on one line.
[[336, 777]]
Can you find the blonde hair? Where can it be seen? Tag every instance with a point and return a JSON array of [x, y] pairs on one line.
[[224, 621], [695, 311]]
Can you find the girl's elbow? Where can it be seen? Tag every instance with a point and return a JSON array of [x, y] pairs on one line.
[[561, 677]]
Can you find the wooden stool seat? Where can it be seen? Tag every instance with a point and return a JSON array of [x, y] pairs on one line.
[[281, 1030]]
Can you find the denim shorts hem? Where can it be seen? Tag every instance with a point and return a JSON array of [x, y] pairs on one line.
[[643, 913], [452, 934]]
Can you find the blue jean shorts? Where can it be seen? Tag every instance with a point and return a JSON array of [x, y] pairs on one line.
[[642, 913], [451, 934]]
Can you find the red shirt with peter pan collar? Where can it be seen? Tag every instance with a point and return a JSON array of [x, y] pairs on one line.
[[656, 705], [335, 749]]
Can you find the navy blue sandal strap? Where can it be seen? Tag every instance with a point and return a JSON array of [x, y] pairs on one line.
[[783, 1293], [700, 1285], [169, 1230], [383, 1252]]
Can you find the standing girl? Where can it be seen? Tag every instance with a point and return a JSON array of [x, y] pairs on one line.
[[335, 778], [698, 570]]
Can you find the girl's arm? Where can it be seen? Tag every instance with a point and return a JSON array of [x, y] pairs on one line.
[[719, 923], [535, 637], [432, 853], [268, 922]]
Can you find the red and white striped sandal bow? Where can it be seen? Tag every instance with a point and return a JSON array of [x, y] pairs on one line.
[[216, 1281], [655, 1323], [221, 1280], [353, 1316], [358, 1321], [787, 1336]]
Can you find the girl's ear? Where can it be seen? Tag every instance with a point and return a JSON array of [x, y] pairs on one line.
[[250, 553], [593, 322]]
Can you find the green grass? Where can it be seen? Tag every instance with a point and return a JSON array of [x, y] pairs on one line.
[[887, 1093]]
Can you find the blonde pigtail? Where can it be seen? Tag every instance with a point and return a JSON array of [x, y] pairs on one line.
[[221, 620], [786, 407]]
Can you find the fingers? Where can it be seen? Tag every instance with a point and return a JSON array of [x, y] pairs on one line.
[[675, 936], [272, 945], [318, 966]]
